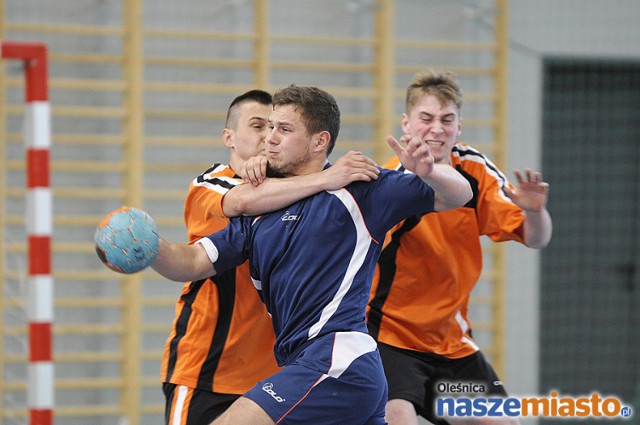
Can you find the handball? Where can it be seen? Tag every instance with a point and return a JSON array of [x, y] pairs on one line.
[[126, 240]]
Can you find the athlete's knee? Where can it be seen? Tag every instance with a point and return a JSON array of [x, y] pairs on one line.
[[401, 412]]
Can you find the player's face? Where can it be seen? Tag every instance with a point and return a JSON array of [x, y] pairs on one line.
[[252, 130], [436, 124], [288, 146]]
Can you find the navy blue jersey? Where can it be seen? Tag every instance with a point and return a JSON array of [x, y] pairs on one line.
[[313, 261]]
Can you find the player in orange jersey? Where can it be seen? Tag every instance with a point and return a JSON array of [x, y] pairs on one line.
[[222, 339], [419, 300]]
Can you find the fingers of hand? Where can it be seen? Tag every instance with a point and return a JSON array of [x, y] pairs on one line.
[[405, 139], [542, 187], [370, 161], [365, 167], [393, 143], [529, 176], [255, 171], [533, 176], [354, 155], [373, 173], [421, 149]]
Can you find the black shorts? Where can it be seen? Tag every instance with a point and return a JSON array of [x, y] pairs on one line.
[[422, 377], [202, 406]]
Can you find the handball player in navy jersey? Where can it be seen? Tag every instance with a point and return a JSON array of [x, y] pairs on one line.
[[312, 264]]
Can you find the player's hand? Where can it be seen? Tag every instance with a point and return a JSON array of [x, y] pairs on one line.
[[414, 154], [254, 170], [532, 193], [352, 166]]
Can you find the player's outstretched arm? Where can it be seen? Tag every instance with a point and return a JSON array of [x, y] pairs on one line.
[[531, 196], [182, 262], [271, 194], [451, 189], [126, 241]]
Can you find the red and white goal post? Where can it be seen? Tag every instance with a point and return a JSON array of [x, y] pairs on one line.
[[39, 223]]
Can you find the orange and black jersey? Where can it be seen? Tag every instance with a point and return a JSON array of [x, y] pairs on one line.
[[222, 338], [431, 263]]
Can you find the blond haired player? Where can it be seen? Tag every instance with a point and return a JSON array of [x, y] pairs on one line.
[[418, 311]]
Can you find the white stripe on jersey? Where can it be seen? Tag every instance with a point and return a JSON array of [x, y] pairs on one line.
[[464, 326], [491, 168], [257, 283], [363, 241], [217, 188]]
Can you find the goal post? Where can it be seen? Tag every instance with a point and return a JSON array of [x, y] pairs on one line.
[[39, 223]]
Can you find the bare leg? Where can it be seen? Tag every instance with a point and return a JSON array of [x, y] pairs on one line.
[[244, 412], [401, 412]]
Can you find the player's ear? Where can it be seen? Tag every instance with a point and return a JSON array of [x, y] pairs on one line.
[[322, 140], [227, 137], [405, 124]]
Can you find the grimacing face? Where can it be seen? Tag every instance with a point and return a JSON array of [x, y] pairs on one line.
[[251, 131], [436, 124], [288, 146]]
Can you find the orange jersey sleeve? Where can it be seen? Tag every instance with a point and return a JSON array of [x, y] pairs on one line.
[[430, 264], [222, 338], [203, 213]]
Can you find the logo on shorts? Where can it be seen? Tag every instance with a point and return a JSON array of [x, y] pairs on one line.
[[268, 388], [290, 217]]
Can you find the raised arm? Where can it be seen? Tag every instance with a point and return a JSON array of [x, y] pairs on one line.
[[451, 189], [531, 195], [264, 195], [181, 262]]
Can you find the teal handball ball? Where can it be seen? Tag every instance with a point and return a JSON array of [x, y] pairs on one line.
[[126, 240]]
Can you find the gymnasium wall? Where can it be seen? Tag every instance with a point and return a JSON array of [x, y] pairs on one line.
[[139, 91], [107, 97], [539, 30]]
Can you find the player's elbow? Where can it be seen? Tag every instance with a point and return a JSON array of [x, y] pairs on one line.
[[538, 242], [234, 203], [462, 195], [455, 198]]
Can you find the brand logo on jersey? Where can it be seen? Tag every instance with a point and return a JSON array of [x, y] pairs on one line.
[[268, 388], [290, 217]]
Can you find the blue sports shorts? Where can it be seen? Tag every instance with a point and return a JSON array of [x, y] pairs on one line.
[[337, 379]]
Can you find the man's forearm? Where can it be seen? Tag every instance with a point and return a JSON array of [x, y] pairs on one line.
[[271, 195], [537, 229], [451, 189], [182, 262]]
